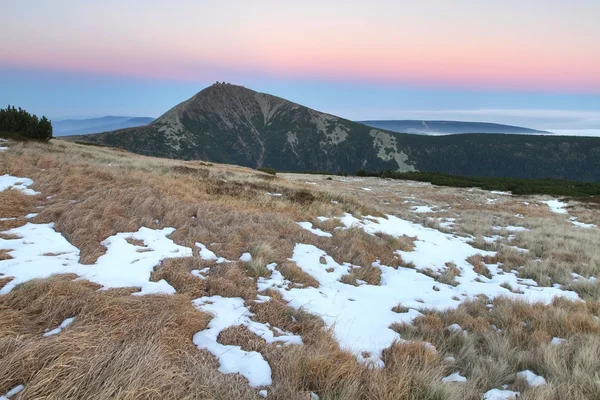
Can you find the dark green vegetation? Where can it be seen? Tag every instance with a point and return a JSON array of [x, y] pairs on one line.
[[268, 170], [18, 124], [231, 124], [516, 186]]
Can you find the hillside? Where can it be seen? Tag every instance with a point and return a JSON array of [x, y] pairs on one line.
[[447, 127], [132, 277], [96, 125], [231, 124]]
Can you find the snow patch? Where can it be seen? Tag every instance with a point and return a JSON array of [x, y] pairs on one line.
[[556, 206], [316, 231], [531, 378], [16, 183], [497, 394], [230, 312], [455, 377], [360, 316], [41, 252], [59, 329], [422, 209]]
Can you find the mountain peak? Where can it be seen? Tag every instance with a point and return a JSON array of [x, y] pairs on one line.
[[232, 124]]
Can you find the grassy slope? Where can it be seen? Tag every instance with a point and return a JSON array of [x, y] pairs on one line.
[[121, 346]]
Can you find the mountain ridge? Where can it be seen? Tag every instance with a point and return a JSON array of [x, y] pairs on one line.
[[231, 124], [65, 127]]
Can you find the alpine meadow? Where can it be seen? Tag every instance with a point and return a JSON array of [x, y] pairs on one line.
[[390, 201]]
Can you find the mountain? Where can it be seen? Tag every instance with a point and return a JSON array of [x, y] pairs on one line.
[[231, 124], [96, 125], [448, 127]]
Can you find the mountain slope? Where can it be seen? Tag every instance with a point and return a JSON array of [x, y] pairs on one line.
[[231, 124], [447, 127], [96, 125]]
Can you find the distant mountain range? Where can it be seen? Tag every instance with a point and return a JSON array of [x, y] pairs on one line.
[[96, 125], [232, 124], [448, 127]]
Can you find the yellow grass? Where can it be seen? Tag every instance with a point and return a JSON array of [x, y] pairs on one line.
[[130, 347]]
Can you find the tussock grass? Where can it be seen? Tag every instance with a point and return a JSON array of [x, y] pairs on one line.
[[123, 346], [506, 336]]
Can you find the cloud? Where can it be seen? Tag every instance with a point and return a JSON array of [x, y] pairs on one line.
[[535, 118]]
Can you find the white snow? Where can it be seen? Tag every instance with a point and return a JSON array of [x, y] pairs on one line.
[[41, 252], [263, 393], [199, 273], [13, 182], [32, 215], [556, 341], [556, 206], [208, 255], [12, 392], [574, 221], [323, 219], [511, 228], [316, 231], [531, 378], [456, 328], [360, 316], [447, 222], [422, 209], [497, 394], [229, 312], [367, 189], [59, 329], [3, 148], [246, 257], [455, 377], [501, 193], [275, 194]]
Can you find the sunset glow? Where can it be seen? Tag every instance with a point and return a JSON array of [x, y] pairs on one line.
[[535, 46]]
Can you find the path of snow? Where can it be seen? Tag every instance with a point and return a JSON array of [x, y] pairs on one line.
[[59, 329], [578, 224], [531, 378], [41, 252], [3, 148], [559, 207], [14, 182], [556, 206], [360, 316], [229, 312], [316, 231]]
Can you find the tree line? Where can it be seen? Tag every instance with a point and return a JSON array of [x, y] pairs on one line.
[[18, 121]]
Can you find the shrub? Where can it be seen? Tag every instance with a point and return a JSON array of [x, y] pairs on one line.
[[267, 170], [19, 123]]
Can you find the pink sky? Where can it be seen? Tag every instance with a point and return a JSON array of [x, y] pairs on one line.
[[537, 45]]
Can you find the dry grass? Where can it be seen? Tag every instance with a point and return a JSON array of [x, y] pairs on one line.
[[130, 347], [505, 336], [119, 346]]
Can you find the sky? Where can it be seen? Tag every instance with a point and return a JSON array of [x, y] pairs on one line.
[[534, 62]]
